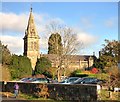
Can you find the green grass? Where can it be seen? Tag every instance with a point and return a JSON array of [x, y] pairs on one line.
[[102, 76], [31, 97], [109, 95]]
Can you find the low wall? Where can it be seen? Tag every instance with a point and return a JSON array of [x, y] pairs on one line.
[[83, 93]]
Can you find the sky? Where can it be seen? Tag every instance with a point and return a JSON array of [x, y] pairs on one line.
[[92, 21]]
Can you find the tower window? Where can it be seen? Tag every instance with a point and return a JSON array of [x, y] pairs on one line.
[[32, 32]]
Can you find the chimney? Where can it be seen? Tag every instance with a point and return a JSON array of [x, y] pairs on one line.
[[99, 53]]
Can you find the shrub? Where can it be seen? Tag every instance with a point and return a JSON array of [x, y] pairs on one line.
[[41, 91], [20, 66], [42, 65]]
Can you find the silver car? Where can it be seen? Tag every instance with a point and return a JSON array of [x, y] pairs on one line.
[[69, 80]]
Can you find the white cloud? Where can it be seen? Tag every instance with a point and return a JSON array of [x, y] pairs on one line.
[[15, 43], [43, 45], [87, 39], [18, 22], [13, 22]]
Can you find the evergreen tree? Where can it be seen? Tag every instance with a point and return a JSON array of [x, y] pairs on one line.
[[55, 44], [20, 67], [42, 65]]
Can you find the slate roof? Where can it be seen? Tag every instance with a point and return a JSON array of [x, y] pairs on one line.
[[72, 57]]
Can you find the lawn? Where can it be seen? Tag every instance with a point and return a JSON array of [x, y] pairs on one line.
[[109, 95]]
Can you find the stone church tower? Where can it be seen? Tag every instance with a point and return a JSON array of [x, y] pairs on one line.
[[31, 41]]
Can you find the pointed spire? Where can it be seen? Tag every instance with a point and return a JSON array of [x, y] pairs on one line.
[[31, 29], [31, 8], [31, 18]]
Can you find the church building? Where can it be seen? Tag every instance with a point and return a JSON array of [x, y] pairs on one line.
[[32, 46]]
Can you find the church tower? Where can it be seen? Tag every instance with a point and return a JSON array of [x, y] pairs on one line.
[[31, 41]]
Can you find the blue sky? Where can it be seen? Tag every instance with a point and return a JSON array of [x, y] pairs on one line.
[[93, 21]]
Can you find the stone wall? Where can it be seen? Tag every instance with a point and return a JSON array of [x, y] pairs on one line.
[[83, 93]]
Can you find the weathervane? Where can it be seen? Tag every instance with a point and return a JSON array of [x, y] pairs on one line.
[[31, 8]]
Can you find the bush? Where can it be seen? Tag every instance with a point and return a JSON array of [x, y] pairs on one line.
[[42, 65], [20, 66], [41, 91]]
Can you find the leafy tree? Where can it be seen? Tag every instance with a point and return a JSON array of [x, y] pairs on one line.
[[55, 44], [20, 67], [42, 65], [5, 56], [109, 59], [109, 54]]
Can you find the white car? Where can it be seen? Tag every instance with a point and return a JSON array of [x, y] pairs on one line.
[[116, 89]]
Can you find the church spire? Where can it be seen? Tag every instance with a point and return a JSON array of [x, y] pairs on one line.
[[31, 41], [31, 29]]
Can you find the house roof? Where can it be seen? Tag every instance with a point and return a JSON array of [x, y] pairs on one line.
[[72, 57]]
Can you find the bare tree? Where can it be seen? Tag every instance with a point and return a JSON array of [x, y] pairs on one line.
[[70, 46], [54, 27]]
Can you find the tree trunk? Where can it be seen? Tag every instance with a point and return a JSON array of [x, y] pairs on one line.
[[58, 75]]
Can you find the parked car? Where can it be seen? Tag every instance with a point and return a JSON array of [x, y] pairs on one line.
[[98, 81], [40, 80], [26, 80], [50, 80], [69, 80], [116, 89], [87, 80]]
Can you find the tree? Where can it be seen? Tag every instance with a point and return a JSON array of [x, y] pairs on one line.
[[5, 55], [5, 58], [20, 67], [42, 65], [70, 46], [55, 44], [99, 63], [52, 72], [109, 56]]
